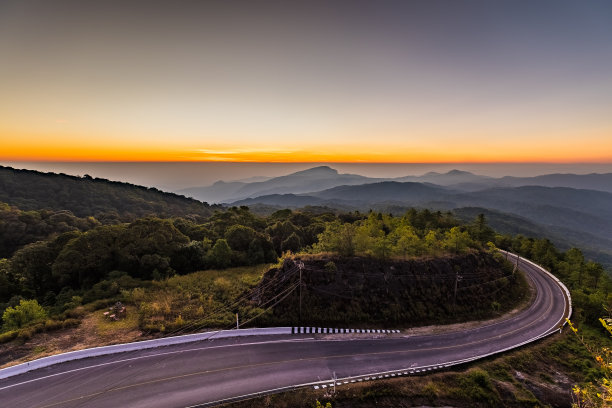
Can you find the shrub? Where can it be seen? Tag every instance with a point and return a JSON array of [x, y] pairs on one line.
[[27, 312], [8, 336]]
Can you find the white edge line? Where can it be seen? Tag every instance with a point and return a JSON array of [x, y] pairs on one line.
[[154, 355]]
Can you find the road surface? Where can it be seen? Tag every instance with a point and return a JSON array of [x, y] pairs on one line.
[[200, 373]]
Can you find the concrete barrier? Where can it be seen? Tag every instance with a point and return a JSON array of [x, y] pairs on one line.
[[139, 345]]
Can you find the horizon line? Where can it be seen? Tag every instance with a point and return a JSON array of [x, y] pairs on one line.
[[300, 162]]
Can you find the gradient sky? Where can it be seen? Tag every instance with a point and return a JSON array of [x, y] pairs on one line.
[[376, 81]]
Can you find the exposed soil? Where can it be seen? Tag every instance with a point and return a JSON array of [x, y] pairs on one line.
[[86, 335]]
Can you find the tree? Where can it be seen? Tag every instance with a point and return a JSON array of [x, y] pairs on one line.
[[598, 394], [575, 259], [31, 266], [338, 238], [293, 243], [221, 254], [382, 247], [408, 242], [431, 241], [457, 240], [239, 237], [595, 271], [280, 231], [481, 230], [28, 311], [7, 285], [346, 244], [86, 259]]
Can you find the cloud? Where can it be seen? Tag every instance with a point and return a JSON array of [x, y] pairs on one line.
[[241, 151]]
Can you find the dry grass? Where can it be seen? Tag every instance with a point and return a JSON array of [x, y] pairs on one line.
[[94, 331]]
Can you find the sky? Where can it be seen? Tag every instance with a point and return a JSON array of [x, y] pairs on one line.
[[314, 81]]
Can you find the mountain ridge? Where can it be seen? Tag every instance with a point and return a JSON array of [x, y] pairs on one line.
[[320, 178]]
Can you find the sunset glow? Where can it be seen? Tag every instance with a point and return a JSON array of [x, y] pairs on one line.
[[64, 149]]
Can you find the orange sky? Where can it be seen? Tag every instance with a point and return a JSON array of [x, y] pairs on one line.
[[595, 148]]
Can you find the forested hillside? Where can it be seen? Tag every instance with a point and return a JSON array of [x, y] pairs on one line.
[[108, 201]]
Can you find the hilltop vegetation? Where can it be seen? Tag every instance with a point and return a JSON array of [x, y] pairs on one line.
[[108, 201]]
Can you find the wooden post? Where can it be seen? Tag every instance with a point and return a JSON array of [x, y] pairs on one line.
[[237, 324]]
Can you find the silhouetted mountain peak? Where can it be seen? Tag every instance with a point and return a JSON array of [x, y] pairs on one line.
[[453, 172], [456, 172], [317, 171]]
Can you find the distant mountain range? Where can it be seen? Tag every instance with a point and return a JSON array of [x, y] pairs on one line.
[[580, 210], [323, 178], [317, 178]]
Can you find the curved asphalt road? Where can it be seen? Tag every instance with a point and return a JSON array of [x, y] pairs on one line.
[[197, 373]]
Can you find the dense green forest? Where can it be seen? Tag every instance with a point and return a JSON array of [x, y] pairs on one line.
[[18, 228], [108, 201]]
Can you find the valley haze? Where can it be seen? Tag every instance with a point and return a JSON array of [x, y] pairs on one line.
[[174, 176]]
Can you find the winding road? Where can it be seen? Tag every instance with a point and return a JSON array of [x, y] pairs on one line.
[[209, 372]]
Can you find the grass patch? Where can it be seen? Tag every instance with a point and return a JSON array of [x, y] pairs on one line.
[[203, 299], [105, 327], [39, 349]]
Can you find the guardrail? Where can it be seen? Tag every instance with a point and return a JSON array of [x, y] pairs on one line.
[[139, 345]]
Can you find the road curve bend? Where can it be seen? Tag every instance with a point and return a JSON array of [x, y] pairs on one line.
[[209, 372]]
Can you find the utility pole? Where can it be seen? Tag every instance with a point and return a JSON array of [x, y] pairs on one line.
[[457, 279], [300, 266]]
